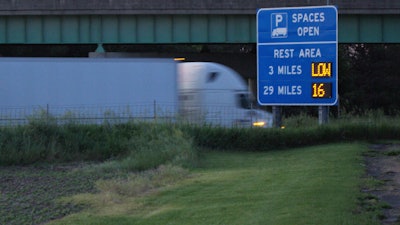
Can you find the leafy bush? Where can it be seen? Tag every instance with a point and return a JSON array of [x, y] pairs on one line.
[[298, 132]]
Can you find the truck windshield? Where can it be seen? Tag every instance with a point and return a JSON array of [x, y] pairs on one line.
[[244, 101]]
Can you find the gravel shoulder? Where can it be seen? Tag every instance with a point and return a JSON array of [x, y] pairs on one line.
[[383, 164]]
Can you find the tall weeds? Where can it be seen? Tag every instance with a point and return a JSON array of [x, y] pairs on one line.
[[140, 146]]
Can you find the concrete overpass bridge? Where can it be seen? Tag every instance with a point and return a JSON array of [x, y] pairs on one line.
[[177, 21]]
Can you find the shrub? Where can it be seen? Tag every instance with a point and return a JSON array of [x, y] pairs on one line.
[[302, 133]]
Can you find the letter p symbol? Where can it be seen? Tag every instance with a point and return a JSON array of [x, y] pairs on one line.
[[278, 19]]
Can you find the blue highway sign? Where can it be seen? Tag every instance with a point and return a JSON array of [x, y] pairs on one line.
[[297, 56]]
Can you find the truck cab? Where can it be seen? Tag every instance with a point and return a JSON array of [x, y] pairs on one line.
[[211, 93]]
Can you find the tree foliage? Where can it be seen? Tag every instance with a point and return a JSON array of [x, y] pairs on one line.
[[369, 78]]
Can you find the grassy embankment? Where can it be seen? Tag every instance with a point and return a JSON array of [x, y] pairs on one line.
[[253, 184], [312, 185]]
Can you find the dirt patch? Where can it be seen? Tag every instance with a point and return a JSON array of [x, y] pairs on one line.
[[28, 194], [383, 164]]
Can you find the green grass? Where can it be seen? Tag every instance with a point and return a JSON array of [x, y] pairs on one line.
[[310, 185]]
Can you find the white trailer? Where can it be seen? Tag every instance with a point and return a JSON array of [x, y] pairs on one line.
[[91, 88]]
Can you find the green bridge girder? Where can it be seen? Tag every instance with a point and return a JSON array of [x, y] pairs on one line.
[[173, 29]]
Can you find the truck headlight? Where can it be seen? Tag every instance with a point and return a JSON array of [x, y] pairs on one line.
[[259, 124]]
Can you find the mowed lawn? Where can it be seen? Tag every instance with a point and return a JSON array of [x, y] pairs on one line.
[[312, 185]]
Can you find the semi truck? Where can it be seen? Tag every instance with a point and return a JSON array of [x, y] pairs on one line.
[[122, 89]]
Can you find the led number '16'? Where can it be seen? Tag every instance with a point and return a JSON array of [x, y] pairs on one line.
[[318, 90]]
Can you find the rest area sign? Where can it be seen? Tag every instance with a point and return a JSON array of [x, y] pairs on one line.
[[297, 56]]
